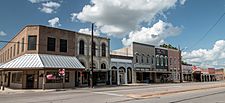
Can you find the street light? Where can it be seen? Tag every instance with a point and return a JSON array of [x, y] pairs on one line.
[[91, 71], [180, 60]]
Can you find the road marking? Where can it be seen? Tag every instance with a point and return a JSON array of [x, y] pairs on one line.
[[107, 93]]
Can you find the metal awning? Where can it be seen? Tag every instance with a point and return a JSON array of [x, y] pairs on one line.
[[41, 61], [121, 60]]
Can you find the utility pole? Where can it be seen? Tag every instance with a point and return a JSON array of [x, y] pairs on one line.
[[180, 60], [91, 71]]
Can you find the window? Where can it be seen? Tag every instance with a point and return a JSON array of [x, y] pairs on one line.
[[153, 59], [81, 47], [170, 61], [142, 58], [103, 49], [63, 45], [14, 50], [103, 66], [157, 60], [166, 61], [22, 45], [147, 59], [17, 77], [67, 76], [94, 49], [51, 44], [18, 47], [136, 57], [32, 41], [11, 52], [55, 77], [161, 60]]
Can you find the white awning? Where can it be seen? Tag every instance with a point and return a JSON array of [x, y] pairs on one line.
[[41, 61], [121, 60]]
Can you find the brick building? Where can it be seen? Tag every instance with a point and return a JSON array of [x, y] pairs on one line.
[[33, 57]]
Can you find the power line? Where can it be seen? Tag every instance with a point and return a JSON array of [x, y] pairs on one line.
[[197, 42]]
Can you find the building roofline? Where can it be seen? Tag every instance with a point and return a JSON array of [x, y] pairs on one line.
[[33, 25], [143, 44], [69, 31]]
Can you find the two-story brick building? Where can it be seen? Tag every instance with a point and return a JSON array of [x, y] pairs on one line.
[[34, 56]]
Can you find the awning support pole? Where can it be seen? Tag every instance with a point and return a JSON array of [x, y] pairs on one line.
[[43, 81]]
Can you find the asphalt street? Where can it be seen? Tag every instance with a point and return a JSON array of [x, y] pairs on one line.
[[121, 95]]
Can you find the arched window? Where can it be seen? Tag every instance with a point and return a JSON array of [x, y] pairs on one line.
[[103, 66], [103, 49], [147, 59], [136, 57], [157, 60], [153, 59], [166, 61], [161, 60], [81, 47], [142, 58]]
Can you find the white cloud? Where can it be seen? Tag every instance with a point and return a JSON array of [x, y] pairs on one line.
[[73, 16], [49, 7], [154, 35], [88, 31], [214, 57], [2, 33], [116, 17], [38, 1], [54, 22], [182, 2]]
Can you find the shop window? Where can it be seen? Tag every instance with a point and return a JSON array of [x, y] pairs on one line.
[[67, 77], [55, 78], [17, 77]]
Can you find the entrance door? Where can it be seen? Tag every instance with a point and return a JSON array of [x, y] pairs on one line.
[[30, 81], [9, 75]]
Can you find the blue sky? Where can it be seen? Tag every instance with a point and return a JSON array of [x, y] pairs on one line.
[[188, 21]]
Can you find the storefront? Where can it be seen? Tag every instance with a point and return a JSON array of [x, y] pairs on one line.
[[40, 71]]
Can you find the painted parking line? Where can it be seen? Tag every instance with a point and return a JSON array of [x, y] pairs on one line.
[[111, 94]]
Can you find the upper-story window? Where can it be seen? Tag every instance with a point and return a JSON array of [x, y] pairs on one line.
[[22, 45], [63, 45], [142, 58], [51, 44], [32, 42], [81, 47], [14, 50], [136, 57], [18, 47], [103, 49], [161, 60], [157, 60], [153, 59], [103, 66], [166, 61], [147, 59]]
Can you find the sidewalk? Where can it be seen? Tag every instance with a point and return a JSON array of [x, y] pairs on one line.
[[188, 87]]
